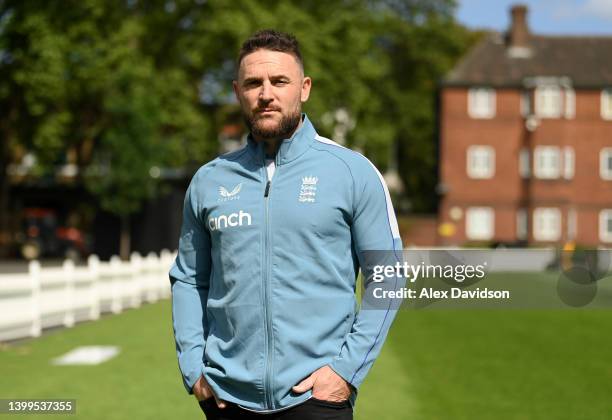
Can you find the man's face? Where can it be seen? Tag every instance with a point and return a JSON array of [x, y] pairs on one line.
[[271, 89]]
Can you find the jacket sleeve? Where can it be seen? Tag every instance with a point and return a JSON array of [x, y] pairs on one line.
[[374, 229], [189, 278]]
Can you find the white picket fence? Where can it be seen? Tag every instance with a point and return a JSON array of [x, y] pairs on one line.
[[61, 296]]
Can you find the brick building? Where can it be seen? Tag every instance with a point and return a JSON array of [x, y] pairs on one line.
[[526, 140]]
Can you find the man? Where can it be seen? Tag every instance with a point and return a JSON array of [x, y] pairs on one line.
[[263, 286]]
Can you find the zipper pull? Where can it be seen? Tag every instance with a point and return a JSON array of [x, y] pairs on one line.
[[267, 190]]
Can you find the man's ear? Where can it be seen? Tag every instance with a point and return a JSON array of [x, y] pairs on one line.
[[306, 85], [235, 86]]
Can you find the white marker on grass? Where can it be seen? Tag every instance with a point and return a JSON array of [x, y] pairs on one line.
[[87, 355]]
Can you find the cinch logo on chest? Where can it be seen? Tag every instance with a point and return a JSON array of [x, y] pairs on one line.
[[228, 221]]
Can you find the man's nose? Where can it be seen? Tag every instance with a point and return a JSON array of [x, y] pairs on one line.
[[265, 94]]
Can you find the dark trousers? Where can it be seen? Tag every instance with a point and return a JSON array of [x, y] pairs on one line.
[[312, 409]]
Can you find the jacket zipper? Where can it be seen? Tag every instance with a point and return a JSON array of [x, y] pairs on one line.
[[266, 290]]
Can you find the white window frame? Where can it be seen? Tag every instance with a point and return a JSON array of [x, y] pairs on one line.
[[547, 162], [480, 161], [526, 103], [481, 102], [569, 103], [524, 165], [568, 162], [605, 235], [547, 224], [548, 101], [522, 224], [606, 104], [479, 223], [604, 157], [572, 224]]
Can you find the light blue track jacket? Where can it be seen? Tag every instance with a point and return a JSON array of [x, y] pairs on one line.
[[263, 287]]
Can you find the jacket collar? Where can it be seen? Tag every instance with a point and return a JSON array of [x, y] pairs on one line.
[[291, 148]]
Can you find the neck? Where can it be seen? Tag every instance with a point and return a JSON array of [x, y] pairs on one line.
[[271, 145]]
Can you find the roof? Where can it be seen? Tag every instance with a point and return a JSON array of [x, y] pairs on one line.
[[586, 61]]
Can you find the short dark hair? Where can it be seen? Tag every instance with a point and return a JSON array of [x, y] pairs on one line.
[[269, 39]]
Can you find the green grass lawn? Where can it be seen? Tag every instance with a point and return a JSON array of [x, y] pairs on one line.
[[435, 365]]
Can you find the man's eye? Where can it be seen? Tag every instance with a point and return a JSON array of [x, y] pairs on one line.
[[281, 82]]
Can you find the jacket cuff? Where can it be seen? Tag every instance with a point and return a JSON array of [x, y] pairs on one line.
[[342, 367], [190, 379]]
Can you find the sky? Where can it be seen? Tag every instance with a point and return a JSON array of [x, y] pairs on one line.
[[572, 17]]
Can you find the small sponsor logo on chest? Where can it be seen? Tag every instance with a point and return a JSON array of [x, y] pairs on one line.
[[225, 195], [308, 190]]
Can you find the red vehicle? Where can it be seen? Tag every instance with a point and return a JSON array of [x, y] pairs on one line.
[[43, 236]]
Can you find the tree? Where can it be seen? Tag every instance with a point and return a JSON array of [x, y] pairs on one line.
[[133, 86], [31, 90], [380, 61], [79, 79], [423, 42]]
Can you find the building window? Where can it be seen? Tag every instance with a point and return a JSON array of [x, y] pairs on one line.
[[526, 105], [606, 104], [546, 224], [605, 163], [568, 162], [480, 162], [572, 224], [605, 225], [481, 103], [548, 101], [524, 167], [521, 224], [479, 223], [547, 162], [570, 103]]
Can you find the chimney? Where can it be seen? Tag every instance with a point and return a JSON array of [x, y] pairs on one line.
[[518, 35]]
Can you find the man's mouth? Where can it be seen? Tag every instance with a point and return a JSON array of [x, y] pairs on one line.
[[267, 110]]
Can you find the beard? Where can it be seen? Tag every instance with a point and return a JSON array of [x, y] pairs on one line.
[[283, 130]]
